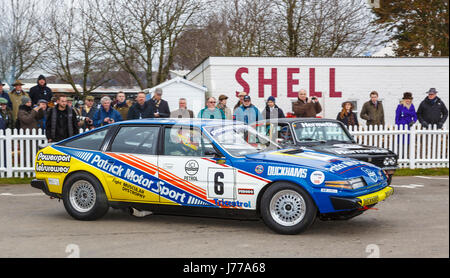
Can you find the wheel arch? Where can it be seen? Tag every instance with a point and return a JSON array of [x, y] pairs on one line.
[[274, 183], [100, 180]]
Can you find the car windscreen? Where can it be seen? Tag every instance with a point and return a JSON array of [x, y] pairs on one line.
[[240, 140], [320, 132]]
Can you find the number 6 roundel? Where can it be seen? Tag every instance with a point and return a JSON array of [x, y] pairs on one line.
[[221, 183]]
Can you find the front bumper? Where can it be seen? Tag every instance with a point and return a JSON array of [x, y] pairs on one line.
[[360, 202], [42, 185]]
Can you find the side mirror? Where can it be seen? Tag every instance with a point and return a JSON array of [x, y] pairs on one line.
[[216, 154]]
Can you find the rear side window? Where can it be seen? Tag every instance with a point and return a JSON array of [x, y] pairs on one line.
[[92, 141], [136, 139]]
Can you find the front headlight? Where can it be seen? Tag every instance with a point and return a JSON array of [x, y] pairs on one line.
[[392, 161], [354, 183], [386, 161]]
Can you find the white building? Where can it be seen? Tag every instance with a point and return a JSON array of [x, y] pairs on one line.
[[177, 88], [332, 80]]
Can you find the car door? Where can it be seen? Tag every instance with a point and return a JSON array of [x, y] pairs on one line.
[[132, 152], [189, 174]]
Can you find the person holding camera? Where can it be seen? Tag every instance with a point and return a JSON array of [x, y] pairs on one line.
[[106, 114], [87, 113], [306, 107]]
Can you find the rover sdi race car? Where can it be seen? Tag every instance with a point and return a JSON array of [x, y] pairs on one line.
[[207, 168]]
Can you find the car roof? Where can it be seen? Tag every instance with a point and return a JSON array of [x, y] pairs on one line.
[[181, 121]]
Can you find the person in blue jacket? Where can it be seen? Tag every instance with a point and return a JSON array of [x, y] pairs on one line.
[[106, 114], [406, 113], [247, 112]]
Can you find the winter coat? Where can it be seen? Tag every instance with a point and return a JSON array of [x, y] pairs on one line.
[[40, 92], [137, 111], [182, 113], [432, 112], [5, 95], [374, 115], [16, 99], [28, 117], [90, 115], [275, 113], [61, 124], [248, 115], [303, 109], [101, 114], [162, 108], [404, 115], [206, 113], [122, 108], [226, 111], [6, 119], [351, 119]]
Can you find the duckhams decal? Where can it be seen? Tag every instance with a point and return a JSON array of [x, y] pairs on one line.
[[287, 171]]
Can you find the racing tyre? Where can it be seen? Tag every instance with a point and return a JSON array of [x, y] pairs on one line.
[[84, 197], [287, 208]]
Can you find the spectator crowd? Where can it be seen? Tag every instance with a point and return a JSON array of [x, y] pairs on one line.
[[61, 118]]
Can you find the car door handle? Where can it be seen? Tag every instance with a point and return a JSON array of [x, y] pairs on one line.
[[168, 165]]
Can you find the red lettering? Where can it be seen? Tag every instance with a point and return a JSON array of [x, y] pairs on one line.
[[241, 81], [291, 81], [333, 92], [271, 81], [312, 84]]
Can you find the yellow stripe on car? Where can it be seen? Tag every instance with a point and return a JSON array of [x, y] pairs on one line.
[[375, 197]]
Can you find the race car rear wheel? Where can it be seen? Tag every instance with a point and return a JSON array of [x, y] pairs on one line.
[[287, 208], [84, 197]]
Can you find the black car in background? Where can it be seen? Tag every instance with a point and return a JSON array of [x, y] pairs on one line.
[[326, 136]]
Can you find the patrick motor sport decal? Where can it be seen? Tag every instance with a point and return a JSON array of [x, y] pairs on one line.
[[139, 180]]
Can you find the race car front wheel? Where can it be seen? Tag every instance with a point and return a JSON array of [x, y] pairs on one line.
[[84, 197], [287, 208]]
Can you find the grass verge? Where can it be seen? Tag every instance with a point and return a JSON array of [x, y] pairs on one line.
[[422, 172]]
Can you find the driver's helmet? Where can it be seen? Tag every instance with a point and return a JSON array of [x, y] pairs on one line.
[[285, 133], [184, 137]]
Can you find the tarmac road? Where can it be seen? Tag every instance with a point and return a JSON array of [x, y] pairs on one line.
[[414, 222]]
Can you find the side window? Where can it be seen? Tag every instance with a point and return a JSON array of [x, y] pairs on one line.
[[186, 141], [136, 139], [92, 141], [284, 134]]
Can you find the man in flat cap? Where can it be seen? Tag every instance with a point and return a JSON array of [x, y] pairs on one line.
[[16, 96], [432, 110]]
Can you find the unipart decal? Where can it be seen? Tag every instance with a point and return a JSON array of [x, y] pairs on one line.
[[287, 171], [317, 177], [42, 168]]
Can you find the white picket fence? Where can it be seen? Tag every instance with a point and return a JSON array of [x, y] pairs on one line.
[[416, 147]]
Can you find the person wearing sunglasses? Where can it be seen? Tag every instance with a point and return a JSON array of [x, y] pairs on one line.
[[211, 111]]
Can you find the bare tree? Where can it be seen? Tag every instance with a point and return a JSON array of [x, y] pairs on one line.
[[324, 28], [141, 35], [74, 54], [20, 49]]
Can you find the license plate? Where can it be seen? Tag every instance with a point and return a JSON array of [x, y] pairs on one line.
[[376, 197]]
